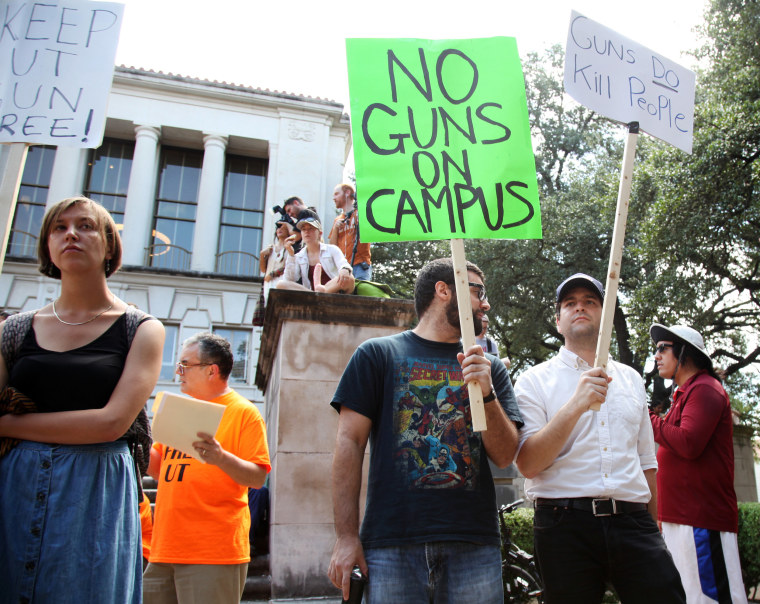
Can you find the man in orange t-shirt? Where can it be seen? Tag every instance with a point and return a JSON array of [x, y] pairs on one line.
[[200, 549]]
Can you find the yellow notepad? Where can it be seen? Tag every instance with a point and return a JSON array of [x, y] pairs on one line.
[[177, 419]]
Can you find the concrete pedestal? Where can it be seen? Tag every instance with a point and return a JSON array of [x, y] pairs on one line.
[[305, 345], [744, 464]]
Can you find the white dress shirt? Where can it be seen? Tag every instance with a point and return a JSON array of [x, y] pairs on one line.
[[608, 450]]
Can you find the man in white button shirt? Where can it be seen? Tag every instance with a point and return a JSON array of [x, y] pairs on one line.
[[591, 474]]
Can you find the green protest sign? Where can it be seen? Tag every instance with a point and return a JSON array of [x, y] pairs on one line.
[[441, 139]]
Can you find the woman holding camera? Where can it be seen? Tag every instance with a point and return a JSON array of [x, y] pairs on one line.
[[272, 258]]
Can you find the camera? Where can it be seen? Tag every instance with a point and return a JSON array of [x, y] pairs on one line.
[[277, 210]]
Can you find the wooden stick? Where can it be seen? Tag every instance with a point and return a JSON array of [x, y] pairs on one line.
[[616, 251], [10, 182], [477, 408]]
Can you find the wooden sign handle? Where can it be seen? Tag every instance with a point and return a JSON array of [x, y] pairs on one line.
[[616, 252], [477, 408]]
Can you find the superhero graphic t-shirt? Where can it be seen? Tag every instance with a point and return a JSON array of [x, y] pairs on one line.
[[431, 421], [429, 477]]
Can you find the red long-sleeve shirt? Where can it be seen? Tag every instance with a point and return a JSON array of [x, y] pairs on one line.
[[695, 480]]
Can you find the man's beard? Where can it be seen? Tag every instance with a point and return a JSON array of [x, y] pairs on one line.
[[452, 316]]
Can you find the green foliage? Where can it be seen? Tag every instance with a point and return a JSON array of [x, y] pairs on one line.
[[749, 543], [398, 263], [520, 522], [702, 234], [742, 388]]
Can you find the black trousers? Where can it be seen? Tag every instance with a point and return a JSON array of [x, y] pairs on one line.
[[578, 553]]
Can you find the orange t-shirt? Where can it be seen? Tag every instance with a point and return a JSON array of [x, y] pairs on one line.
[[201, 515], [146, 524]]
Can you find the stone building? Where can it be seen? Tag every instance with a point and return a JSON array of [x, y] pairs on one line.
[[190, 170]]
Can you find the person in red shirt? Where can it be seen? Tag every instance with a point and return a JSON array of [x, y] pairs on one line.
[[696, 506]]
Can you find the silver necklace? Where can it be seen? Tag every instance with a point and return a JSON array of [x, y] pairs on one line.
[[102, 312]]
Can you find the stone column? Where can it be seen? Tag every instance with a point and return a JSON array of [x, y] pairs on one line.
[[67, 178], [141, 196], [267, 234], [298, 375], [209, 212], [744, 464]]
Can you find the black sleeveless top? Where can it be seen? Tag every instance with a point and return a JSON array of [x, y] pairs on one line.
[[83, 378]]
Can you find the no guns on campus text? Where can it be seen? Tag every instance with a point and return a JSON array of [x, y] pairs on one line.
[[441, 140]]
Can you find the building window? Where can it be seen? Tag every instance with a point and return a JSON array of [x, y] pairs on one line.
[[242, 216], [169, 360], [176, 204], [239, 340], [108, 176], [30, 206]]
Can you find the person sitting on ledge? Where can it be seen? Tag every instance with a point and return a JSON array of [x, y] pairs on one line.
[[322, 267]]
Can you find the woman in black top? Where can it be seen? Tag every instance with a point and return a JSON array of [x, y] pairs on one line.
[[69, 525]]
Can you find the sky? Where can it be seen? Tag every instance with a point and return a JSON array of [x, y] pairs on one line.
[[299, 47]]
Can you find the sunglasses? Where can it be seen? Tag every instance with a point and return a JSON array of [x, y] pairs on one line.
[[661, 348], [481, 289], [181, 367]]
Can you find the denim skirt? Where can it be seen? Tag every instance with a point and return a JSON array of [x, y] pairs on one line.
[[69, 525]]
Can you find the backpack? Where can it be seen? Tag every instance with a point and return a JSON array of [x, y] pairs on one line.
[[372, 289]]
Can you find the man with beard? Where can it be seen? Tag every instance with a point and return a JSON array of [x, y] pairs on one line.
[[591, 474], [419, 538]]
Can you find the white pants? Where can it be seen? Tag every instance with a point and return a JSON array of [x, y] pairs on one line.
[[706, 560]]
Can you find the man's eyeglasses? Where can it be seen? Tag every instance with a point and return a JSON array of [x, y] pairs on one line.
[[182, 367], [481, 289], [661, 348]]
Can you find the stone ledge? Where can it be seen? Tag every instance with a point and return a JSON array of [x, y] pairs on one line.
[[326, 309]]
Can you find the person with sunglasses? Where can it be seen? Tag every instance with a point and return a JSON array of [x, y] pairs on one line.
[[199, 548], [430, 531], [696, 507], [591, 474]]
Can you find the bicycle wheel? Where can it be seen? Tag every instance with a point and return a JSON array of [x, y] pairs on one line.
[[520, 585]]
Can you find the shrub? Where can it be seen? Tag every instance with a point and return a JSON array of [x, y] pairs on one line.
[[749, 543], [521, 523]]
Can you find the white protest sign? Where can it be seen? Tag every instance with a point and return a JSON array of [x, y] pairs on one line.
[[627, 82], [59, 59]]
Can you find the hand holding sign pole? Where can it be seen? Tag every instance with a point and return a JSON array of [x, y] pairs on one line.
[[477, 408], [627, 82]]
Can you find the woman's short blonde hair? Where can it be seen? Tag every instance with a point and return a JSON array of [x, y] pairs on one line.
[[104, 223]]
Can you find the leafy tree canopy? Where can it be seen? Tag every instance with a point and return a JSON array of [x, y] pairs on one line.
[[692, 252]]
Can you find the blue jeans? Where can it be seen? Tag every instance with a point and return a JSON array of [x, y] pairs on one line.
[[443, 572], [362, 271]]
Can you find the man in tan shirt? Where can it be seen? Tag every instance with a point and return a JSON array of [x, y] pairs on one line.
[[345, 233]]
